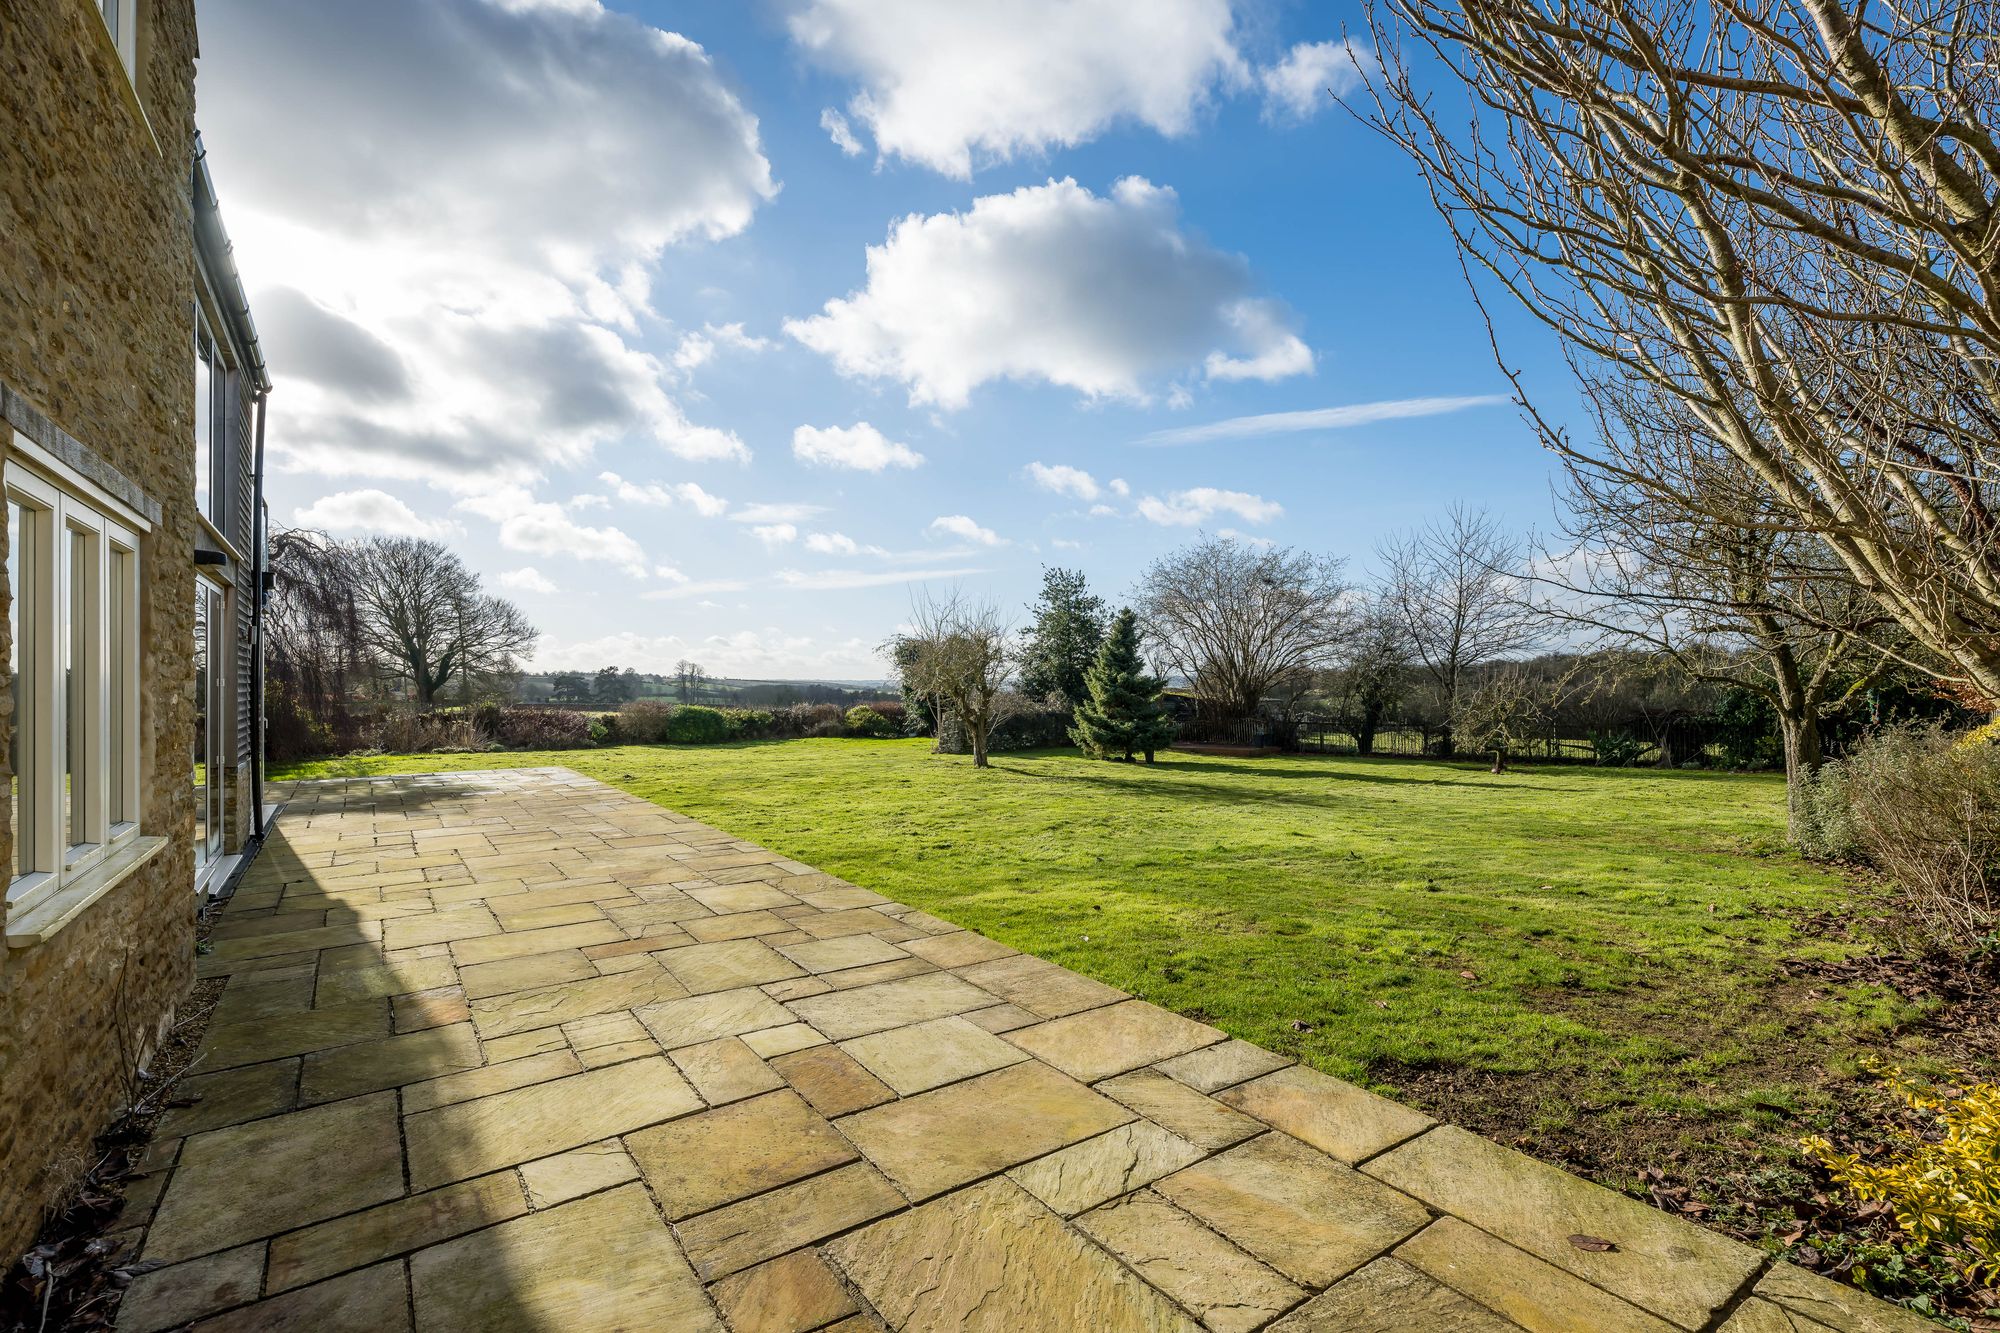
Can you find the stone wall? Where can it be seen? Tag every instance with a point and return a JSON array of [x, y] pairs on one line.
[[96, 286]]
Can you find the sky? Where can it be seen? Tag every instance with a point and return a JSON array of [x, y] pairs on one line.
[[721, 330]]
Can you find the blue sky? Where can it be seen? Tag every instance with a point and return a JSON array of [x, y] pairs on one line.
[[539, 278]]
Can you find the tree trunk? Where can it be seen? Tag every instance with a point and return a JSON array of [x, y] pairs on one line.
[[1364, 731], [977, 735], [1444, 747], [1803, 757], [1499, 761]]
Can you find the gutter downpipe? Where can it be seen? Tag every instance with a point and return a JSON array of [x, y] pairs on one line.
[[258, 594]]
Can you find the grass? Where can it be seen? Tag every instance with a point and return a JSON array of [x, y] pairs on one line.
[[1598, 947]]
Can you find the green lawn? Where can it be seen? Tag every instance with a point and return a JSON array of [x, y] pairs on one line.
[[1589, 945]]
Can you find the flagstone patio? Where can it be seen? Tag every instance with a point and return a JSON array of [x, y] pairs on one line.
[[516, 1050]]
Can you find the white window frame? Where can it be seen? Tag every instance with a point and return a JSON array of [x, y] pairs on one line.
[[121, 21], [57, 860]]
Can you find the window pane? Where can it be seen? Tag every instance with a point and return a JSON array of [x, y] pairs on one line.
[[110, 8], [119, 722], [201, 674], [204, 411], [79, 671], [21, 661]]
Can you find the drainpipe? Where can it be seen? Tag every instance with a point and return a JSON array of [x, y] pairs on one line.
[[258, 594]]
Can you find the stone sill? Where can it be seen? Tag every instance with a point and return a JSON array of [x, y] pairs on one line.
[[45, 918]]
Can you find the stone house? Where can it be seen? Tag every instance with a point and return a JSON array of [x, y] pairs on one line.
[[131, 398]]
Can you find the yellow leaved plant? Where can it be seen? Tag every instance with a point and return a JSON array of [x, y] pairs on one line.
[[1944, 1190]]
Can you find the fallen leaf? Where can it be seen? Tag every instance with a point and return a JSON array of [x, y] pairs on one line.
[[1381, 1004], [1469, 975], [1594, 1244]]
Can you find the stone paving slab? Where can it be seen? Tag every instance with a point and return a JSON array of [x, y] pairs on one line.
[[516, 1050]]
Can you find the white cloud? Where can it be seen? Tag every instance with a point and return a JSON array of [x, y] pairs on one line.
[[669, 573], [952, 86], [697, 349], [1103, 511], [1306, 81], [526, 579], [664, 497], [472, 252], [1247, 538], [1319, 418], [370, 511], [776, 513], [839, 543], [1065, 544], [1064, 480], [1101, 294], [859, 446], [1276, 352], [838, 130], [538, 527], [775, 534], [747, 654], [1119, 487], [1187, 509], [834, 579], [685, 588], [958, 525]]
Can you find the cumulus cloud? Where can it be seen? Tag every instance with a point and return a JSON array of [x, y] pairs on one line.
[[526, 579], [370, 511], [1064, 480], [473, 251], [776, 513], [1310, 76], [1119, 487], [859, 446], [1103, 294], [698, 347], [958, 525], [538, 527], [839, 543], [838, 130], [775, 534], [951, 86], [663, 497], [1189, 508]]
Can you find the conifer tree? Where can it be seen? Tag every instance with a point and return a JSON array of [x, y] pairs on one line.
[[1123, 714]]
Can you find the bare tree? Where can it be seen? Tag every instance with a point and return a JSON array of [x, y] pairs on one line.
[[1456, 587], [421, 610], [958, 654], [688, 680], [1720, 584], [1510, 705], [1779, 213], [1243, 624], [1372, 672]]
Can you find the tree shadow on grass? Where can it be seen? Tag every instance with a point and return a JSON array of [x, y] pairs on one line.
[[1255, 769]]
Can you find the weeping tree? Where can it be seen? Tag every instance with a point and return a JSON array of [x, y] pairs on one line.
[[1780, 214], [1242, 623], [1121, 714]]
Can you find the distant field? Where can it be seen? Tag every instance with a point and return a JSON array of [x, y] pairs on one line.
[[1568, 950]]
